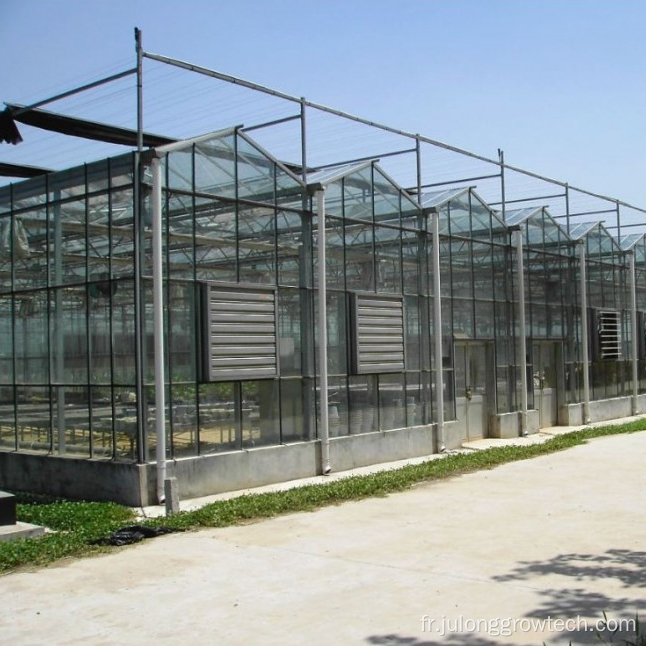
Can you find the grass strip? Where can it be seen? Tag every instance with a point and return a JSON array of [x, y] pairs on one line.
[[79, 525]]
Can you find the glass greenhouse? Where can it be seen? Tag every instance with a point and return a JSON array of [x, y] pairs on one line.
[[311, 318]]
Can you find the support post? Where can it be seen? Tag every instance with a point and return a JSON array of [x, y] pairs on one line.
[[584, 333], [633, 332], [522, 333], [140, 325], [59, 346], [324, 430], [158, 327], [437, 330]]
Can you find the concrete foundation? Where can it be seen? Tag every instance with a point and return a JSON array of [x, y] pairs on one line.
[[508, 425], [602, 410], [81, 479]]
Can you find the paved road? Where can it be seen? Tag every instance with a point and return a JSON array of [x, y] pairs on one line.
[[560, 537]]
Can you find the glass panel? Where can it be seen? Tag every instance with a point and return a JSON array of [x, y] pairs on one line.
[[414, 400], [30, 240], [218, 420], [260, 421], [357, 195], [413, 252], [296, 405], [386, 199], [68, 247], [337, 406], [68, 323], [256, 245], [363, 404], [98, 241], [413, 333], [99, 337], [215, 166], [336, 333], [125, 424], [289, 331], [182, 332], [179, 169], [31, 337], [102, 414], [6, 334], [34, 421], [178, 250], [334, 273], [71, 421], [291, 250], [123, 331], [359, 257], [8, 439], [255, 173], [388, 260], [6, 243], [122, 234], [183, 412], [392, 412], [215, 241]]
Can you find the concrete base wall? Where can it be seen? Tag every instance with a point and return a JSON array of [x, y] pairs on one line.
[[80, 479], [256, 467], [602, 410], [135, 485], [508, 425]]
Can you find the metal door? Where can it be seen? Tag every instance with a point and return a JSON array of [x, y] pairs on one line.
[[472, 385], [546, 356]]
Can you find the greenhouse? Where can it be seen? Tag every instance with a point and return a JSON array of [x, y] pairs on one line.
[[204, 309]]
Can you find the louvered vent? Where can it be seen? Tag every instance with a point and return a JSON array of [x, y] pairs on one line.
[[240, 331], [609, 327], [378, 334]]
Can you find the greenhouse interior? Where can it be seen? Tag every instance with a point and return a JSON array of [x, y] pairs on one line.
[[236, 309]]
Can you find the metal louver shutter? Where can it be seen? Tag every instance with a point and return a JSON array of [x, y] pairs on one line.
[[378, 334], [609, 328], [241, 333]]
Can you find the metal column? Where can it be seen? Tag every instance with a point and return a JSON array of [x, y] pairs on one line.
[[158, 327], [437, 330], [522, 334], [584, 333], [324, 431], [633, 332]]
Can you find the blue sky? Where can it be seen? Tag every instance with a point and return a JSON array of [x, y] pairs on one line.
[[559, 85]]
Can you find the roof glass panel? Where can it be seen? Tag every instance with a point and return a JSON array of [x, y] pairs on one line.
[[438, 199], [335, 173], [215, 166], [357, 195], [628, 242], [518, 216], [582, 229]]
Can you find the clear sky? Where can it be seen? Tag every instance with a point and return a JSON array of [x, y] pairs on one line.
[[559, 85]]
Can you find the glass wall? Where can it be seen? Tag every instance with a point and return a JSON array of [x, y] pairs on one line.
[[66, 308]]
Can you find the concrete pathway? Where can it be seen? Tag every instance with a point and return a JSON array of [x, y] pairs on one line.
[[476, 560]]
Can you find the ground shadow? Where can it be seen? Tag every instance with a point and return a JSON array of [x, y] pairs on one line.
[[628, 567]]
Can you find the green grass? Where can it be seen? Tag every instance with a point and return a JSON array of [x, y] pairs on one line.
[[78, 525]]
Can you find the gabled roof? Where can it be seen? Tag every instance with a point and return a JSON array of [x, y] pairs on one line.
[[582, 229], [515, 217], [335, 173], [438, 199], [628, 242]]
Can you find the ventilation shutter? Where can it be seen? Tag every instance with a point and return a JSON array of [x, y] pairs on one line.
[[241, 334], [609, 327], [378, 334]]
